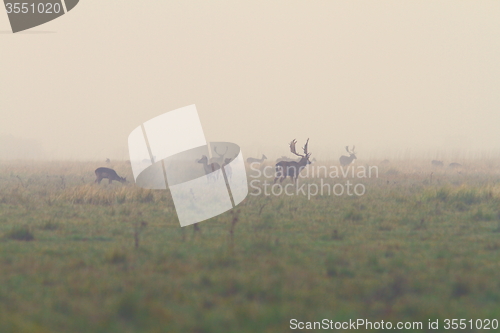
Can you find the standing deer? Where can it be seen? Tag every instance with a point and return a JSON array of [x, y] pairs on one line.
[[209, 168], [292, 168], [346, 160], [219, 160], [108, 173], [455, 165], [437, 163], [251, 160]]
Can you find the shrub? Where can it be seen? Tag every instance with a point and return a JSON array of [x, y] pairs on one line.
[[20, 233], [116, 257]]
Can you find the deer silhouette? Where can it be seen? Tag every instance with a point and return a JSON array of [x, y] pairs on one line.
[[210, 168], [256, 160], [292, 168], [346, 160], [108, 173]]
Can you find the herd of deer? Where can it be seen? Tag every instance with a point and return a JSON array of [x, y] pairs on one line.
[[285, 167]]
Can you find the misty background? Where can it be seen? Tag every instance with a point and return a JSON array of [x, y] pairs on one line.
[[395, 79]]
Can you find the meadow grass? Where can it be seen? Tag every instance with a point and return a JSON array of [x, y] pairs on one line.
[[422, 243]]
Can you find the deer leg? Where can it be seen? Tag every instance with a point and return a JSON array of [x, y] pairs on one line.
[[278, 175], [286, 176]]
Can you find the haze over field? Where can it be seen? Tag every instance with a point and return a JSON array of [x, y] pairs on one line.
[[396, 79]]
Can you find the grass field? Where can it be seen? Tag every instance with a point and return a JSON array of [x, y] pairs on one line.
[[80, 257]]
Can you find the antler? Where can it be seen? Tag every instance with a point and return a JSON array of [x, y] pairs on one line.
[[215, 149], [350, 152], [292, 148], [305, 147]]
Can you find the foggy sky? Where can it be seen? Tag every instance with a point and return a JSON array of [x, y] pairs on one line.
[[396, 79]]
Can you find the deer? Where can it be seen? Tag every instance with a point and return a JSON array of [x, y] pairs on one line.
[[293, 168], [454, 165], [437, 163], [108, 173], [251, 160], [346, 160], [219, 160], [209, 168]]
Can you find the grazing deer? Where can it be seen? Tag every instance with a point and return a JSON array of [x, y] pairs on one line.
[[108, 160], [454, 165], [108, 173], [251, 160], [346, 160], [437, 163], [292, 168], [209, 168]]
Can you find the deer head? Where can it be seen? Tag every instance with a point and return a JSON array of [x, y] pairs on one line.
[[203, 160], [352, 153], [306, 155], [346, 160], [221, 155]]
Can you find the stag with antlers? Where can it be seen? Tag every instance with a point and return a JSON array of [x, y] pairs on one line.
[[292, 168], [219, 160], [346, 160]]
